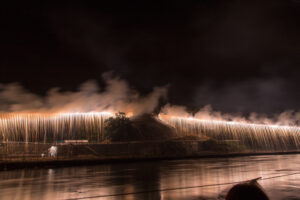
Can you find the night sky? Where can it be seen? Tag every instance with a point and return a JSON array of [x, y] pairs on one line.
[[238, 56]]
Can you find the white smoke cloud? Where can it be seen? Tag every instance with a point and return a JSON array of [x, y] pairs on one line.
[[116, 96], [13, 97]]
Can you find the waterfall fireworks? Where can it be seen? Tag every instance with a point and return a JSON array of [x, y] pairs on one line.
[[254, 136], [63, 126], [52, 127]]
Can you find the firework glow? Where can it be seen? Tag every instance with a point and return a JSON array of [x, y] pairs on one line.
[[47, 127], [52, 127], [254, 136]]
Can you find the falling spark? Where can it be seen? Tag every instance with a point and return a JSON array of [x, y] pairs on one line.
[[45, 127], [253, 136], [53, 127]]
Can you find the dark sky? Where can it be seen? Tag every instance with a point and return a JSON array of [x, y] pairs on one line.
[[238, 56]]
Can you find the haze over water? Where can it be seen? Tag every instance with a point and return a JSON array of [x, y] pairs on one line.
[[99, 181]]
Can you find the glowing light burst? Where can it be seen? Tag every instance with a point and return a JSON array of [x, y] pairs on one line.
[[52, 127], [254, 136], [105, 113]]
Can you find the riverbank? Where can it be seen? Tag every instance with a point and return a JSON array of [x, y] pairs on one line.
[[12, 164], [30, 155]]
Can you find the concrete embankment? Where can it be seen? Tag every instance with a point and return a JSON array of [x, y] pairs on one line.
[[22, 155]]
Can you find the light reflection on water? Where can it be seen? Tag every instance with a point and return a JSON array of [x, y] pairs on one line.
[[96, 181]]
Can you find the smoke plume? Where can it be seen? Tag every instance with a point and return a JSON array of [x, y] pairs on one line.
[[116, 96]]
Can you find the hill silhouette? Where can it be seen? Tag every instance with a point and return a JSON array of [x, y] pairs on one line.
[[141, 128]]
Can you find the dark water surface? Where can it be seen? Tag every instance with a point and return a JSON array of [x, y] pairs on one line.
[[97, 182]]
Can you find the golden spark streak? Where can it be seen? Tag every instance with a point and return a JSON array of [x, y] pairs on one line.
[[255, 136], [50, 127]]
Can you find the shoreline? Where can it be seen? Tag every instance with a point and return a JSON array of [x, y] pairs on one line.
[[73, 162]]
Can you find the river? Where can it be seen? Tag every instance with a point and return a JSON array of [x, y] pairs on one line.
[[201, 179]]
